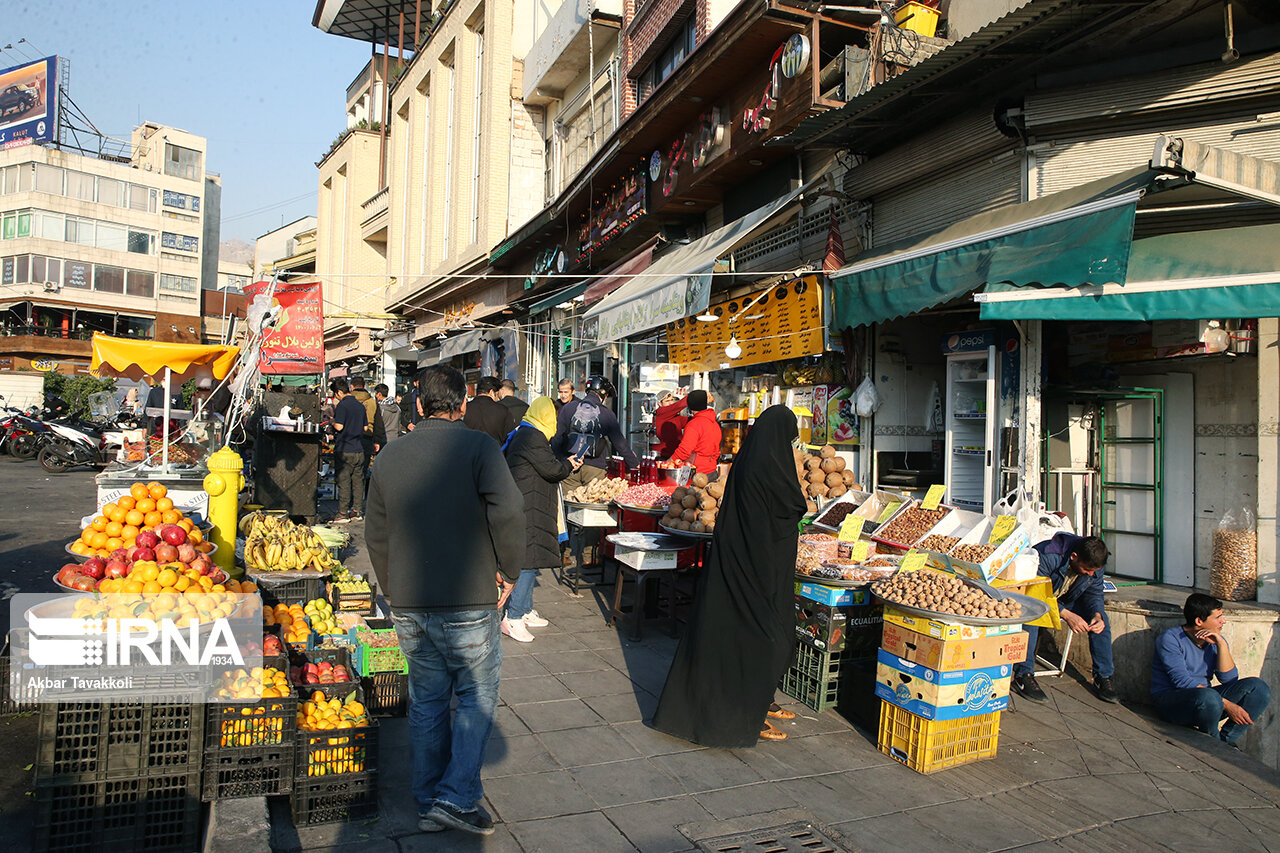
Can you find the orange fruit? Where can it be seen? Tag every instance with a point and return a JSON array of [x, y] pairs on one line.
[[149, 572], [153, 518], [113, 543], [152, 587], [204, 547], [169, 516], [86, 535], [157, 490], [182, 584], [107, 509], [131, 585], [163, 504], [186, 524], [126, 503], [145, 505], [113, 513], [113, 528], [134, 518], [195, 536], [99, 523], [99, 540], [167, 577], [129, 531], [139, 490], [206, 582]]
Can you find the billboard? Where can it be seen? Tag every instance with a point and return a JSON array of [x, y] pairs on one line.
[[29, 103], [296, 343]]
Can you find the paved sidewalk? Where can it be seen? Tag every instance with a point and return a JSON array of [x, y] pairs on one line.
[[572, 766]]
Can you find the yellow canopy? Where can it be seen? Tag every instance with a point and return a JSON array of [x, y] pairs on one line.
[[117, 357]]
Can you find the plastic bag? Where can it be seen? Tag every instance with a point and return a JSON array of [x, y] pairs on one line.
[[866, 399], [1233, 574]]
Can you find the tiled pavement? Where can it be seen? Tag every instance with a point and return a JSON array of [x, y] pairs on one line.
[[573, 766]]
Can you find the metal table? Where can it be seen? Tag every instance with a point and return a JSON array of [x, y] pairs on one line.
[[594, 517], [646, 556]]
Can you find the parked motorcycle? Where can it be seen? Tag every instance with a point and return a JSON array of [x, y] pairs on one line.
[[70, 447], [21, 434]]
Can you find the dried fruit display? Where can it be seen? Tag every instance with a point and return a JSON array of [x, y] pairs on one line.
[[909, 527], [836, 513], [974, 553], [944, 594], [938, 542], [650, 495], [598, 491]]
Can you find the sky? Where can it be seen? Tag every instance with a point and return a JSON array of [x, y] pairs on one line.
[[265, 88]]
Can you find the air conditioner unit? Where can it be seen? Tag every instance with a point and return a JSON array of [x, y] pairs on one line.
[[52, 287]]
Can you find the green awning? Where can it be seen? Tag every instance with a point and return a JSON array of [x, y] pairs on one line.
[[563, 295], [1070, 238], [1228, 272]]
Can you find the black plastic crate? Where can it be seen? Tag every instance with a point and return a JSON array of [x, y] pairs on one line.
[[290, 592], [335, 752], [386, 694], [107, 740], [337, 657], [158, 813], [270, 722], [253, 772], [364, 603], [335, 799]]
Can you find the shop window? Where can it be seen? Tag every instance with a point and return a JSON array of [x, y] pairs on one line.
[[48, 179], [51, 322], [108, 279], [139, 283], [88, 322], [135, 327]]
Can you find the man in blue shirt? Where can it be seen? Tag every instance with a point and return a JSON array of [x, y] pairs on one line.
[[1185, 662], [1074, 566], [349, 421]]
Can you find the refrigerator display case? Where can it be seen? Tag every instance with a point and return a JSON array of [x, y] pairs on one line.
[[972, 454]]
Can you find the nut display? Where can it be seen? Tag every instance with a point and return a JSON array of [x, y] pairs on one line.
[[694, 508], [974, 553], [836, 513], [912, 524], [944, 594], [1233, 574], [823, 475], [598, 491], [938, 542]]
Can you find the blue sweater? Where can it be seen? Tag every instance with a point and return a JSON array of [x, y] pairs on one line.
[[1178, 663], [1085, 595]]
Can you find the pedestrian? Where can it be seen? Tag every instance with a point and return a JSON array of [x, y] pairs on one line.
[[445, 522], [701, 439], [410, 413], [507, 397], [589, 430], [1185, 662], [741, 632], [669, 420], [564, 393], [349, 421], [537, 471], [486, 414], [388, 409], [375, 433]]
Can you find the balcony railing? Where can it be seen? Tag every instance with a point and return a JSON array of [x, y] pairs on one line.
[[376, 203]]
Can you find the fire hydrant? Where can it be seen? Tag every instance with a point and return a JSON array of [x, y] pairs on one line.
[[223, 483]]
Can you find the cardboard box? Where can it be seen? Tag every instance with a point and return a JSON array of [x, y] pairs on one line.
[[642, 560], [936, 695], [834, 596], [954, 655], [854, 630], [1002, 558], [946, 630]]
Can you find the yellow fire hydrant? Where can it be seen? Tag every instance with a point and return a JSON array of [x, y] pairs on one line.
[[223, 483]]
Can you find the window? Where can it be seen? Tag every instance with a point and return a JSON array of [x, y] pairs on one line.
[[8, 179], [53, 226], [111, 191], [181, 163], [589, 118], [112, 237], [79, 185], [108, 279], [478, 123], [79, 231], [181, 200], [48, 179], [78, 274], [22, 269], [138, 283], [37, 269], [449, 138], [53, 270], [181, 242], [177, 283], [135, 327], [6, 270], [24, 224], [139, 197], [142, 242], [10, 226], [666, 62]]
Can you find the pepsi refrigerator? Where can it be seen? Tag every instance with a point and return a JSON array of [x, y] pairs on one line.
[[973, 420]]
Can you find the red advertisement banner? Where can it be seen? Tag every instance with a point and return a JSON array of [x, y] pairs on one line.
[[296, 344]]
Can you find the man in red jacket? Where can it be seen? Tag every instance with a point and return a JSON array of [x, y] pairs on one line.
[[669, 421], [701, 435]]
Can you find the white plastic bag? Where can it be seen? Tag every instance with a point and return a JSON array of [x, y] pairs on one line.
[[866, 399]]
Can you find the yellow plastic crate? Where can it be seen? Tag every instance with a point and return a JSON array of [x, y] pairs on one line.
[[918, 18], [927, 746]]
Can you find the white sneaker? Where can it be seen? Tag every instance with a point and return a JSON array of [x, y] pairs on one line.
[[533, 620], [516, 630]]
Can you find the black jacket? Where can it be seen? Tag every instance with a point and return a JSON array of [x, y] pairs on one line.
[[537, 471], [516, 406], [488, 415], [605, 424], [443, 515]]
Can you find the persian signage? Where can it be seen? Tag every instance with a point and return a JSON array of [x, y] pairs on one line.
[[296, 344], [612, 215]]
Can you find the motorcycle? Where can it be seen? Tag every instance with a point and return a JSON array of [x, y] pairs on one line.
[[71, 446], [21, 435]]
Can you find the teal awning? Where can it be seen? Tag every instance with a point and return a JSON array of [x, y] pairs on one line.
[[563, 295], [1070, 238], [1226, 272]]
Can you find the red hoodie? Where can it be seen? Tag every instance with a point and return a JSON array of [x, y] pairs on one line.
[[701, 436], [669, 424]]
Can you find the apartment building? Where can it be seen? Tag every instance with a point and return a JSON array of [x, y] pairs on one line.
[[98, 244]]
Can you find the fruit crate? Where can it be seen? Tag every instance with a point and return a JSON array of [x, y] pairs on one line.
[[159, 813], [364, 603], [335, 799], [372, 659], [814, 677], [337, 752], [386, 694], [298, 591], [82, 741], [230, 774], [252, 723], [12, 698], [928, 746], [337, 657]]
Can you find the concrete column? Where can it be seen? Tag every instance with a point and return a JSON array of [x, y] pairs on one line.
[[1029, 426], [1268, 457]]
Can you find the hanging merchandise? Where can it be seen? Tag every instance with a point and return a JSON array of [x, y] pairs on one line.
[[933, 410], [866, 399]]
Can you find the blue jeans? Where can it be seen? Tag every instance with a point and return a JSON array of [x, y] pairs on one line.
[[1099, 648], [450, 654], [521, 600], [1202, 706]]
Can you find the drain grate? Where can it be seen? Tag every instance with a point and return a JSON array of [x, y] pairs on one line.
[[797, 837]]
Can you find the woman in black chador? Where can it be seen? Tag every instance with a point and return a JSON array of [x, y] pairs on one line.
[[741, 634]]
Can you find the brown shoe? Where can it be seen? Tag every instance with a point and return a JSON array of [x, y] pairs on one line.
[[770, 733], [779, 713]]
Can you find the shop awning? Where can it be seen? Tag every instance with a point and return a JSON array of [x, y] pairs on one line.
[[1072, 237], [620, 273], [562, 295], [1229, 272], [132, 359], [460, 344], [678, 283]]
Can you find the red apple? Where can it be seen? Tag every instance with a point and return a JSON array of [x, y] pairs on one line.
[[166, 553], [146, 539], [174, 535], [186, 552], [94, 561], [97, 573]]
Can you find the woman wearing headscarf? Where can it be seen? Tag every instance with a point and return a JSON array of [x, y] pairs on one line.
[[741, 634], [537, 471]]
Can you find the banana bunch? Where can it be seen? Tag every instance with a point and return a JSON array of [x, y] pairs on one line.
[[273, 543]]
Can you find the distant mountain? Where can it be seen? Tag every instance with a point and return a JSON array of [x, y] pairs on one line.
[[235, 251]]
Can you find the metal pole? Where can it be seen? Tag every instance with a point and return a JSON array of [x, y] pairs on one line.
[[164, 451], [417, 25]]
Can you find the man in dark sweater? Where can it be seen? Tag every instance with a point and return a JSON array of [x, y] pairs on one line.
[[446, 521], [486, 414], [507, 397], [589, 429], [349, 422]]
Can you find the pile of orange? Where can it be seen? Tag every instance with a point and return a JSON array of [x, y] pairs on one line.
[[148, 576], [323, 714], [291, 620], [146, 507], [194, 606]]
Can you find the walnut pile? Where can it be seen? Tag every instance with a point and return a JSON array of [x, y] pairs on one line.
[[944, 594]]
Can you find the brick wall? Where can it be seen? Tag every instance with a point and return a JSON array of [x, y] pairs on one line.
[[527, 163], [646, 27]]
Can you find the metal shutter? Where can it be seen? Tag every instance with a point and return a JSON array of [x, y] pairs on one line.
[[962, 192]]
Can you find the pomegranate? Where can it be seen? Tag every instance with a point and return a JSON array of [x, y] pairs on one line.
[[68, 572], [141, 552], [92, 561], [174, 535], [146, 539], [116, 569], [166, 553], [186, 552], [84, 584], [97, 573]]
